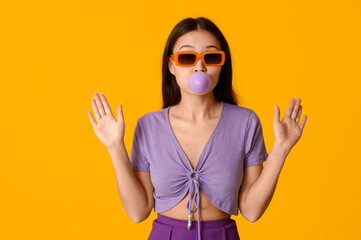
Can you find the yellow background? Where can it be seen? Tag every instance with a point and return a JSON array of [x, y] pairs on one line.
[[57, 179]]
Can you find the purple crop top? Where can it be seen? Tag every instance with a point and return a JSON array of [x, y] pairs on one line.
[[236, 143]]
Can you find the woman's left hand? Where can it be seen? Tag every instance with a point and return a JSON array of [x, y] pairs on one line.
[[287, 132]]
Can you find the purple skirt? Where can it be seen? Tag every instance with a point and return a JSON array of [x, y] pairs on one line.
[[166, 228]]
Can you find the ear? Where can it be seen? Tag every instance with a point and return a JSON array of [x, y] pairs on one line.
[[171, 66]]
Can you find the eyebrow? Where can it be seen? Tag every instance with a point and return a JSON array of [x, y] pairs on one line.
[[192, 46]]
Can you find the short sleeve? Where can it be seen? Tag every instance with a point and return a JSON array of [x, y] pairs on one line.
[[255, 148], [138, 160]]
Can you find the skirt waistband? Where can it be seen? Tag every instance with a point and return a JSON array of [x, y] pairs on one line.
[[183, 223]]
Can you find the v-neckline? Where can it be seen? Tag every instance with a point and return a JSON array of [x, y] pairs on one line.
[[205, 147]]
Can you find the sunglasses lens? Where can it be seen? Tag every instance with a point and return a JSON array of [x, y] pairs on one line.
[[186, 58], [213, 58]]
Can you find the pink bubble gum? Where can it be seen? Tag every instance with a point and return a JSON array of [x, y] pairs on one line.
[[199, 82]]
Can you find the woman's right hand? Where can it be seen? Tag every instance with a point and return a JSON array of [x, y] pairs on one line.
[[109, 130]]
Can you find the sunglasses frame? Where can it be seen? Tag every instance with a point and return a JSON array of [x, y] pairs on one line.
[[174, 57]]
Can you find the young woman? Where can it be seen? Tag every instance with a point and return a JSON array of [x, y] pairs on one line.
[[200, 147]]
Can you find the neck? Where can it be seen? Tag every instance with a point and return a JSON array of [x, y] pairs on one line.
[[198, 108]]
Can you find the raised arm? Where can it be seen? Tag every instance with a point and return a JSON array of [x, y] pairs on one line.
[[111, 133], [260, 183]]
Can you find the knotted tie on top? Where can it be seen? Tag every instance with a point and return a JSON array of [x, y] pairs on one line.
[[193, 188]]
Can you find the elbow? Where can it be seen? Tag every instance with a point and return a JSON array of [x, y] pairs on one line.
[[251, 217], [140, 217], [138, 220]]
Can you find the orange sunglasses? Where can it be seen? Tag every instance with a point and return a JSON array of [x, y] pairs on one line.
[[189, 58]]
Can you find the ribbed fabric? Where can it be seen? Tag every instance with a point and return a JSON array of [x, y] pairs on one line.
[[236, 143]]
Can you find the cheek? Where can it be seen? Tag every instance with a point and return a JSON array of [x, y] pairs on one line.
[[181, 78], [182, 74], [214, 73]]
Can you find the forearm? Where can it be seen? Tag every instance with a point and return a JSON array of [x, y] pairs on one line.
[[131, 192], [261, 192]]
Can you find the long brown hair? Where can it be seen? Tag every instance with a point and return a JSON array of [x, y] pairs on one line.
[[170, 89]]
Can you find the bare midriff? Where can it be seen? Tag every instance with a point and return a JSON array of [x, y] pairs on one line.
[[208, 212]]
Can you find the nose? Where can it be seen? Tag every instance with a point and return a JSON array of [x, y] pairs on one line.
[[200, 67]]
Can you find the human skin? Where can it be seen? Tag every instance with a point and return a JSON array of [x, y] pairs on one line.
[[110, 132], [259, 182]]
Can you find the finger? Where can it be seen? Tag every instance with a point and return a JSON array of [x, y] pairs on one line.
[[295, 109], [105, 104], [90, 115], [290, 108], [302, 125], [120, 111], [276, 116], [95, 109], [99, 104], [299, 115]]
